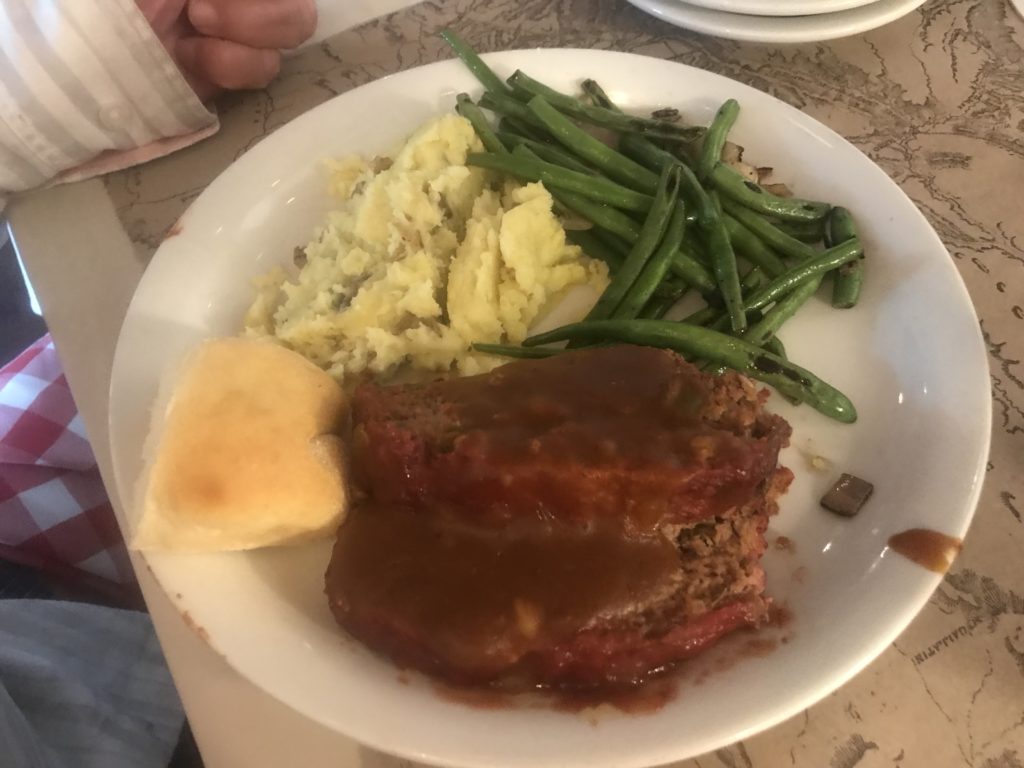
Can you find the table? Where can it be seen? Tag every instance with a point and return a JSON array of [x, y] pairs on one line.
[[934, 98]]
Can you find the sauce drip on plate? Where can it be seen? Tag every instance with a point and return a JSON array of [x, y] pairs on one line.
[[930, 549]]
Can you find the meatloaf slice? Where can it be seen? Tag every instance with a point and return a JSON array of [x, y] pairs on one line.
[[581, 522], [629, 434], [538, 602]]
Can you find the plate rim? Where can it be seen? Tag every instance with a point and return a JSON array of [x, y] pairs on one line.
[[789, 30], [780, 8], [661, 754]]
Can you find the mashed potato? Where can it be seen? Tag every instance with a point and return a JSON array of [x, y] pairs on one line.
[[424, 256]]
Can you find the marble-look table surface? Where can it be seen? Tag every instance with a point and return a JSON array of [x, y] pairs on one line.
[[936, 99]]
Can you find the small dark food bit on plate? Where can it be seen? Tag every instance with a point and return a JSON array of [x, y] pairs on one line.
[[847, 496]]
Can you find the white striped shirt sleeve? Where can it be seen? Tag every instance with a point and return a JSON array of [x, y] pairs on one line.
[[82, 77]]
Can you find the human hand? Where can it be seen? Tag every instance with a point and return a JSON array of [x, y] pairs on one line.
[[229, 44]]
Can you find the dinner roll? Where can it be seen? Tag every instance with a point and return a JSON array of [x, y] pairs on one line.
[[248, 452]]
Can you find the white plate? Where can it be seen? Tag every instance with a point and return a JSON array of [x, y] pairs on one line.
[[780, 29], [910, 355], [780, 7]]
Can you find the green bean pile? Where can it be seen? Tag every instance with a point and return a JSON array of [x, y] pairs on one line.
[[668, 217]]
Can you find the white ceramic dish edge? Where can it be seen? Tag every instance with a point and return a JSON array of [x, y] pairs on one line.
[[778, 29]]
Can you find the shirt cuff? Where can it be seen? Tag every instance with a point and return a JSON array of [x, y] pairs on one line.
[[117, 160], [87, 80]]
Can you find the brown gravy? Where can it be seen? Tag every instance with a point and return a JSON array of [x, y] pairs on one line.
[[929, 549], [630, 396], [644, 699], [785, 544], [648, 697], [420, 579], [478, 697], [779, 616], [483, 595], [573, 425]]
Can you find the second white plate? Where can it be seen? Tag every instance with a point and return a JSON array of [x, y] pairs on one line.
[[781, 7], [715, 20]]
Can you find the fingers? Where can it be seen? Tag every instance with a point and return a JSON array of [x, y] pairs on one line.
[[228, 64], [256, 23], [161, 14], [237, 41]]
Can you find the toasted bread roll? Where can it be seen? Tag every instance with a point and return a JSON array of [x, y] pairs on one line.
[[247, 453]]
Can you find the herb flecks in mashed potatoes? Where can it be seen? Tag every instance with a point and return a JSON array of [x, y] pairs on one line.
[[422, 258]]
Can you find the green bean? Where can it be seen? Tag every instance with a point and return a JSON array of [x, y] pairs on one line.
[[684, 265], [753, 280], [697, 342], [759, 332], [701, 316], [653, 157], [723, 264], [708, 213], [528, 88], [846, 288], [602, 216], [657, 267], [646, 152], [721, 324], [508, 107], [692, 271], [545, 152], [804, 231], [708, 217], [775, 346], [515, 126], [596, 248], [693, 244], [525, 166], [509, 350], [465, 107], [839, 227], [601, 99], [473, 62], [752, 248], [598, 96], [594, 151], [620, 245], [714, 139], [844, 253], [770, 234], [671, 288], [650, 235], [733, 185], [847, 285], [721, 321], [658, 306]]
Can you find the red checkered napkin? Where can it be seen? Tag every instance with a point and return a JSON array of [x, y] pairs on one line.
[[54, 511]]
